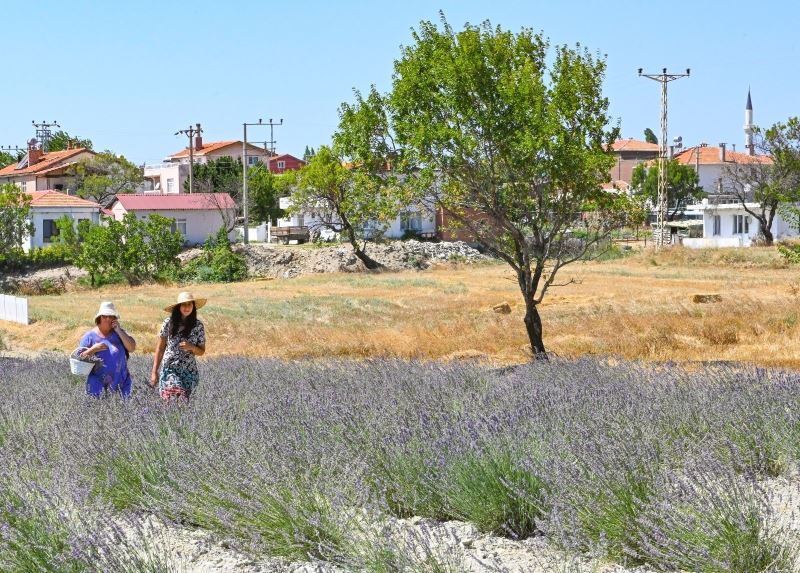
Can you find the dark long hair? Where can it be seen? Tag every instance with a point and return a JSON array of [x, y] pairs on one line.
[[177, 324]]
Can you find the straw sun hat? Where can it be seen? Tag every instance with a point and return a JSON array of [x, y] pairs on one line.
[[186, 297]]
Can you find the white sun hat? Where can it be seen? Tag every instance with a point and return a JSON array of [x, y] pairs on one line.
[[107, 309]]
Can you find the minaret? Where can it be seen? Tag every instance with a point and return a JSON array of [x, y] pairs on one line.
[[748, 125]]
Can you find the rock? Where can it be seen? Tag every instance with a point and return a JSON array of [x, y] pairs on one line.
[[502, 308]]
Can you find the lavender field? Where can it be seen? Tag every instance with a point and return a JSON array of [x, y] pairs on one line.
[[640, 465]]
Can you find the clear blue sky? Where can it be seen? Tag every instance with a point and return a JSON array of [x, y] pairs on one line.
[[129, 74]]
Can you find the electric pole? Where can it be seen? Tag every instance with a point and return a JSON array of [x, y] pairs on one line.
[[9, 149], [190, 132], [664, 78], [271, 141], [43, 133]]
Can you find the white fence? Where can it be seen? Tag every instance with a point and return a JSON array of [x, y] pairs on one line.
[[13, 308]]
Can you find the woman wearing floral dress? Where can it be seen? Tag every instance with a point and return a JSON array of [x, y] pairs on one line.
[[182, 337]]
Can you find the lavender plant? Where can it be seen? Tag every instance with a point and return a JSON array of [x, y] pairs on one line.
[[643, 464]]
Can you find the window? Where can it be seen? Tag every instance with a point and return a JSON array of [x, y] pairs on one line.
[[717, 225], [49, 230], [170, 185], [58, 186], [741, 224], [253, 159], [411, 221], [281, 165], [180, 226]]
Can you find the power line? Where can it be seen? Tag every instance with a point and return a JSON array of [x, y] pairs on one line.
[[43, 133]]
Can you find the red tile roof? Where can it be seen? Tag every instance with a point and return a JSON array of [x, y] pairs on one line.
[[213, 146], [711, 156], [48, 161], [176, 202], [631, 144], [52, 198]]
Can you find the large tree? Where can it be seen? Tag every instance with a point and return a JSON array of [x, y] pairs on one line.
[[518, 139], [649, 136], [62, 140], [361, 199], [683, 186], [762, 184], [103, 176], [15, 225]]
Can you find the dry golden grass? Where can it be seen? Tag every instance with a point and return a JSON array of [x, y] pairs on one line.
[[637, 308]]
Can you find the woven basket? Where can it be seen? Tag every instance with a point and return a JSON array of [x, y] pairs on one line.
[[80, 367]]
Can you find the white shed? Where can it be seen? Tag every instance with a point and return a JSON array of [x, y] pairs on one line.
[[49, 206]]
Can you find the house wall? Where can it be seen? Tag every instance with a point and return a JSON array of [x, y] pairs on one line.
[[200, 223], [290, 163], [161, 174], [727, 238], [41, 214]]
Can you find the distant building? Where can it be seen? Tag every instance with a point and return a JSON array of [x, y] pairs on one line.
[[282, 163], [630, 153], [40, 171], [197, 216], [49, 206]]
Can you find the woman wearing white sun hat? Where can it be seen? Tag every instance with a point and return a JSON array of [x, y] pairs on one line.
[[109, 342], [182, 337]]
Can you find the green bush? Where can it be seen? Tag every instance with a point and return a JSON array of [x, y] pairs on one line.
[[790, 250], [217, 263]]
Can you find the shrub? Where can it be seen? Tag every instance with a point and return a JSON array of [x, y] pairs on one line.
[[217, 263]]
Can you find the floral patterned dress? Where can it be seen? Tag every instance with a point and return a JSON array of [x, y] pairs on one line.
[[179, 375], [112, 373]]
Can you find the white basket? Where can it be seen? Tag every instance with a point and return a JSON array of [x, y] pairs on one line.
[[80, 367]]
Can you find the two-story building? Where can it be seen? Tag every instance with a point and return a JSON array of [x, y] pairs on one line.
[[170, 176], [41, 170]]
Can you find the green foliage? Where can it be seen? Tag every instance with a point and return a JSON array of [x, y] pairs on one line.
[[7, 159], [362, 199], [15, 208], [102, 176], [517, 140], [217, 263], [60, 140], [264, 189], [790, 251], [649, 136], [683, 186], [138, 250]]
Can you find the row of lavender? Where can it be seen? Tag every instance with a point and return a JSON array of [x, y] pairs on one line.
[[646, 465]]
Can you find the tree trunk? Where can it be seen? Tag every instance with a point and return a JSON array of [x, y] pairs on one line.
[[767, 234], [533, 324], [370, 263]]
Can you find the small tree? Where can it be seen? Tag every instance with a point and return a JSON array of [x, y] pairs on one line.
[[518, 142], [137, 250], [763, 184], [103, 176], [683, 186], [360, 200], [264, 190], [15, 207]]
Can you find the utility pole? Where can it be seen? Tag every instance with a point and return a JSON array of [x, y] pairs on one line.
[[190, 132], [43, 133], [271, 141], [664, 78], [9, 149]]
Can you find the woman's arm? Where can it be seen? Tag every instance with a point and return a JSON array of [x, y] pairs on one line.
[[196, 349], [161, 345], [127, 339]]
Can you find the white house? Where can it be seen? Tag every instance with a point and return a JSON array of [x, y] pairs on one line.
[[197, 215], [41, 171], [729, 225], [49, 206], [419, 219], [170, 176]]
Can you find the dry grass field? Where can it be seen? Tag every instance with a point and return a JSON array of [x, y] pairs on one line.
[[640, 307]]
